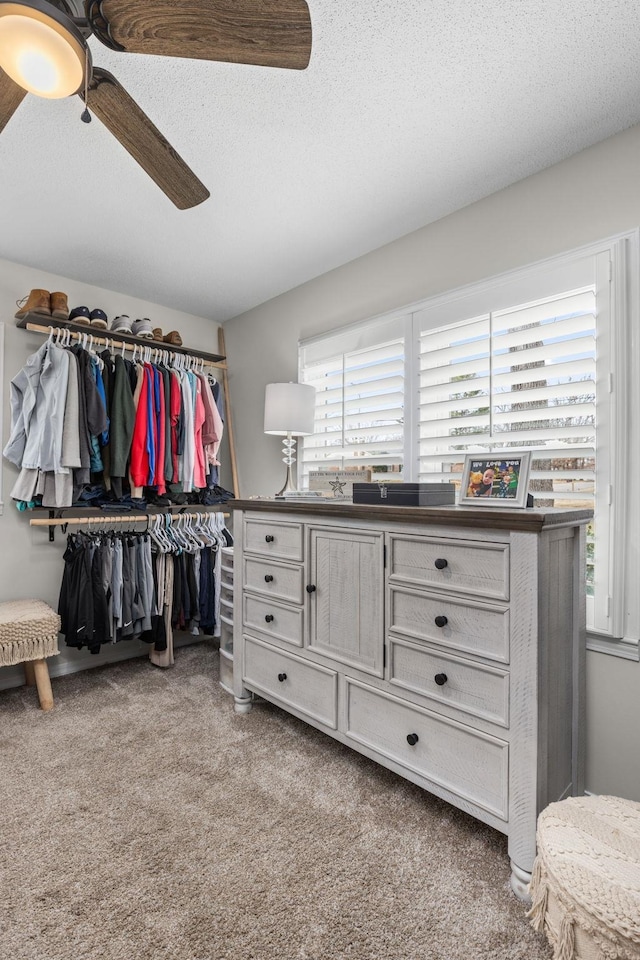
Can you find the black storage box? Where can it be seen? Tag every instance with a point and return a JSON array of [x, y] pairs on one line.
[[405, 494]]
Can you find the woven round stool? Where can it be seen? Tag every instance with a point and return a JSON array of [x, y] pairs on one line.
[[29, 634], [585, 887]]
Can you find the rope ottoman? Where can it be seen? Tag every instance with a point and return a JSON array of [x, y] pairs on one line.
[[585, 886], [29, 634]]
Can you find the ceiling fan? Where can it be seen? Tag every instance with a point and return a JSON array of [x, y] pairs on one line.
[[44, 50]]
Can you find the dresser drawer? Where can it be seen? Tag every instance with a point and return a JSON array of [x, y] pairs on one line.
[[464, 761], [463, 566], [291, 681], [226, 606], [226, 635], [273, 538], [480, 629], [226, 560], [467, 685], [274, 579], [226, 670], [274, 619]]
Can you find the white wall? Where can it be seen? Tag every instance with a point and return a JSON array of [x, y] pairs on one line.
[[30, 566], [593, 195]]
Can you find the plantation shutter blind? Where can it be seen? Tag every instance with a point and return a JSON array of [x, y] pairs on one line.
[[359, 413], [523, 377], [520, 378]]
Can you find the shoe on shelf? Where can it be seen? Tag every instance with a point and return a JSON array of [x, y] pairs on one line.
[[121, 324], [158, 500], [174, 338], [142, 328], [158, 334], [80, 315], [98, 319], [59, 305], [38, 301]]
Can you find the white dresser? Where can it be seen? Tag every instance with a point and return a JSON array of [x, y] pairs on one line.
[[446, 643]]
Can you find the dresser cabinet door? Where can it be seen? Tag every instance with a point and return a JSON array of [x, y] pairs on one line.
[[346, 597]]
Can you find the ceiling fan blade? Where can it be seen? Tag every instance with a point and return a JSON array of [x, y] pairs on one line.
[[11, 96], [267, 33], [131, 126]]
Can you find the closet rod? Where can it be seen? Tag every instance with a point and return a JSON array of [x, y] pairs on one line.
[[128, 344], [101, 519]]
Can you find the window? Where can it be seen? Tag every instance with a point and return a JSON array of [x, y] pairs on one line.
[[359, 418], [539, 359]]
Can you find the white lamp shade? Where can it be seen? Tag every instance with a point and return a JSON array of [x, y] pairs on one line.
[[289, 408]]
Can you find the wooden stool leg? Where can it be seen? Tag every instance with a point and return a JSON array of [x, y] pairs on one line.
[[29, 673], [43, 683]]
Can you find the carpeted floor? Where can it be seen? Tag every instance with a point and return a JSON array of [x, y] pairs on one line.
[[143, 819]]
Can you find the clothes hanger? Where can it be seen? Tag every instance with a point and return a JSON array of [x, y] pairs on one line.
[[182, 534], [157, 534], [163, 533], [169, 532], [193, 530], [201, 528]]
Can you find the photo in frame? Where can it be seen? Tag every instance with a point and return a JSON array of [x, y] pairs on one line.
[[495, 479]]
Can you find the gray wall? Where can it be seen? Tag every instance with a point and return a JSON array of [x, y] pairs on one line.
[[594, 195], [30, 566]]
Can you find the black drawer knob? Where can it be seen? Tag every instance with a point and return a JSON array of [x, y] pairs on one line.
[[412, 739], [311, 588], [269, 538], [440, 679], [268, 578], [269, 619], [441, 621], [282, 677], [441, 563]]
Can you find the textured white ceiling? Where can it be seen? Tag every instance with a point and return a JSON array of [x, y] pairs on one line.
[[409, 110]]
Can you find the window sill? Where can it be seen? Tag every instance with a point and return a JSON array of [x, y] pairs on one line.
[[626, 649]]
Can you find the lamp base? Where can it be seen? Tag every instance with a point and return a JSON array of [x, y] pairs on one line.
[[289, 449], [289, 486]]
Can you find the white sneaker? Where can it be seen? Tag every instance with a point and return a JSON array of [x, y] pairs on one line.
[[121, 324], [142, 328]]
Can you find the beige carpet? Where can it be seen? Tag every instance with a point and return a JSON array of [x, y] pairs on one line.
[[142, 818]]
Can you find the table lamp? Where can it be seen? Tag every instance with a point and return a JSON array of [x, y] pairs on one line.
[[289, 410]]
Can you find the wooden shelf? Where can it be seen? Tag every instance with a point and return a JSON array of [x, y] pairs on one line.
[[42, 321]]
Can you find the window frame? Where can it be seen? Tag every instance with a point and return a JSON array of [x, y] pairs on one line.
[[618, 351]]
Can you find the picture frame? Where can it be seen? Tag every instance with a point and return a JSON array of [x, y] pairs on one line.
[[498, 479]]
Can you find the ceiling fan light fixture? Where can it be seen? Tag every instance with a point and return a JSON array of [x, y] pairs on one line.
[[41, 49]]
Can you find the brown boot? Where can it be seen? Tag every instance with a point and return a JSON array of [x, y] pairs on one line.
[[37, 302], [59, 306]]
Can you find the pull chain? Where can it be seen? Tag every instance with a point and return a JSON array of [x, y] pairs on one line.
[[85, 115]]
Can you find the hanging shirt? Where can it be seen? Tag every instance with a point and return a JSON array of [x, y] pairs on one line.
[[139, 466], [199, 472]]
